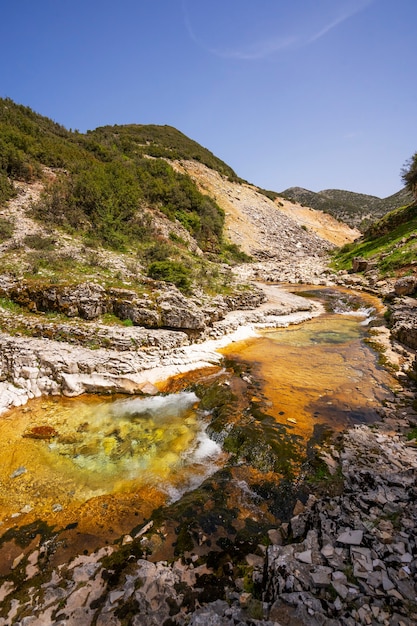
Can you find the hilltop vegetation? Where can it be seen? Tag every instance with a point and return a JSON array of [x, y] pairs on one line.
[[356, 209], [116, 188], [112, 186]]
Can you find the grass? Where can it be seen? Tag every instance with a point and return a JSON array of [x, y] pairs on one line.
[[9, 305], [412, 434], [391, 248]]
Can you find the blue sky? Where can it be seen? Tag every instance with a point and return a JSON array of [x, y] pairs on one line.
[[315, 93]]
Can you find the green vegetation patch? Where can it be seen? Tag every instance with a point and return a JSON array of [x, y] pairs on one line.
[[390, 242], [6, 228], [135, 140], [172, 272]]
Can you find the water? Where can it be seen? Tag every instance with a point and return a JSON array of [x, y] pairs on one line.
[[106, 464], [321, 371], [64, 452]]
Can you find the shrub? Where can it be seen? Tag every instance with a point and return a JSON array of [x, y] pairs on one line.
[[38, 242], [160, 251], [6, 229], [177, 239], [233, 254], [7, 190], [171, 272]]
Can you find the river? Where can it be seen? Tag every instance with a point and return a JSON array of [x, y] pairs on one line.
[[224, 447]]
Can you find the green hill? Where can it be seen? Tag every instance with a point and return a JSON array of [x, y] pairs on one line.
[[112, 188], [356, 209], [390, 244], [106, 178]]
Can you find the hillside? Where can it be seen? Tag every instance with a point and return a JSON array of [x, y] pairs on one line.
[[356, 209], [286, 242], [389, 246], [140, 202]]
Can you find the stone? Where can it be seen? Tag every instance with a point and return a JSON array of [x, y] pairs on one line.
[[341, 589], [299, 507], [321, 577], [405, 286], [374, 579], [298, 526], [339, 577], [387, 584], [359, 264], [351, 537], [304, 557], [18, 472], [115, 596], [327, 550], [18, 560], [275, 536], [253, 560]]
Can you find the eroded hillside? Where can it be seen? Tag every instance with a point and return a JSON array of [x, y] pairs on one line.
[[294, 238]]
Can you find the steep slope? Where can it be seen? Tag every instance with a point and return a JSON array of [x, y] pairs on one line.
[[389, 246], [356, 209], [286, 244], [146, 198], [323, 224]]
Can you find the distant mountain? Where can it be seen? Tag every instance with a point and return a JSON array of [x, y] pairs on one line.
[[356, 209]]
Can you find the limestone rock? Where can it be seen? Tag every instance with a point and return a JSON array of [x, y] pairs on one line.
[[405, 286], [177, 312], [359, 264], [351, 537]]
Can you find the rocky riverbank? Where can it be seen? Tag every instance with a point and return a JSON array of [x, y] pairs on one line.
[[135, 357], [341, 560], [345, 558]]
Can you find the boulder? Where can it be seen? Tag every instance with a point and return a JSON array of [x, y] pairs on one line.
[[85, 300], [403, 321], [405, 286], [138, 311], [359, 264], [177, 311]]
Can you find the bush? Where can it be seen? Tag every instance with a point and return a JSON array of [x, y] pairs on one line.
[[7, 190], [171, 272], [160, 251], [6, 229], [233, 254], [38, 242]]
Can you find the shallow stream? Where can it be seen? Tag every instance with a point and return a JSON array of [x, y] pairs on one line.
[[321, 371], [105, 465]]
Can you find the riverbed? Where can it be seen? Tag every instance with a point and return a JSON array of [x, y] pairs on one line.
[[223, 445]]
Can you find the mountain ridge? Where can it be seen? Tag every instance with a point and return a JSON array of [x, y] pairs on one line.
[[356, 209]]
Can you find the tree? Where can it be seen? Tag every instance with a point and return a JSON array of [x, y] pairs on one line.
[[409, 175]]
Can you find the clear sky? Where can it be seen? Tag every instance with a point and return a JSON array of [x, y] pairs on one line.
[[312, 93]]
